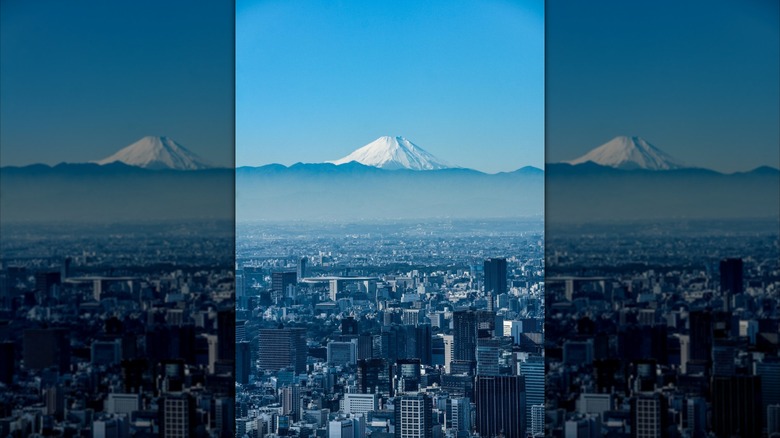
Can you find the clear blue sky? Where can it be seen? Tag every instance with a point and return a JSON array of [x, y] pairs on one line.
[[698, 79], [80, 79], [463, 80]]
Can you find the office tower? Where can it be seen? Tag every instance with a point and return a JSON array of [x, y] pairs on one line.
[[178, 416], [226, 334], [696, 417], [736, 405], [413, 416], [374, 377], [423, 344], [700, 336], [501, 406], [769, 371], [773, 420], [495, 276], [411, 317], [360, 403], [240, 330], [488, 354], [533, 372], [225, 417], [406, 376], [282, 348], [723, 354], [291, 401], [279, 283], [449, 351], [458, 415], [303, 267], [468, 325], [341, 428], [365, 346], [7, 362], [648, 416], [44, 348], [243, 362], [45, 281], [537, 420], [731, 276], [342, 353]]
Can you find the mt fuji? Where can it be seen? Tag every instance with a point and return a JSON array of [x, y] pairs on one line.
[[393, 153], [157, 153], [630, 153]]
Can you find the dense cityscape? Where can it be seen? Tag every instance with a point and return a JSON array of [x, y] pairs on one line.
[[399, 329], [117, 331], [663, 330]]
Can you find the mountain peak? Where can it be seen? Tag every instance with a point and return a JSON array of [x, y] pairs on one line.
[[394, 153], [153, 152], [625, 152]]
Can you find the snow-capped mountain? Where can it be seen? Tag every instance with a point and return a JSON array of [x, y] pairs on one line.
[[630, 153], [153, 152], [394, 153]]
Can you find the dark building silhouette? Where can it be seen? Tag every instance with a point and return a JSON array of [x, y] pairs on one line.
[[282, 348], [226, 334], [279, 283], [349, 326], [468, 326], [736, 406], [374, 376], [7, 362], [495, 276], [731, 276], [44, 348], [243, 362], [44, 281], [501, 406]]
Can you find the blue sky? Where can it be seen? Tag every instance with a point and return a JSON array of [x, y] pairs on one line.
[[81, 79], [698, 79], [464, 80]]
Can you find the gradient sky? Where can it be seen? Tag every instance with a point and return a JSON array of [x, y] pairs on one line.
[[81, 79], [698, 79], [464, 80]]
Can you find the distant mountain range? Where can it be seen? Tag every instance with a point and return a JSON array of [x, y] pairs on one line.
[[390, 178]]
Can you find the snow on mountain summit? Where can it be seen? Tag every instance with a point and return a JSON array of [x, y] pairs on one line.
[[394, 153], [630, 153], [153, 152]]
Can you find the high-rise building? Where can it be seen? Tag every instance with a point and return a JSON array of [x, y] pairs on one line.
[[468, 325], [488, 354], [243, 362], [458, 415], [773, 420], [537, 420], [769, 371], [731, 276], [736, 405], [178, 416], [407, 376], [501, 406], [282, 348], [696, 417], [303, 267], [533, 372], [279, 283], [413, 416], [495, 276], [44, 348], [226, 334], [648, 416], [374, 377], [291, 401]]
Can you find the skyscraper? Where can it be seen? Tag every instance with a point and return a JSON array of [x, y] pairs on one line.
[[495, 276], [731, 276], [736, 405], [413, 416], [243, 362], [532, 371], [501, 406], [282, 348]]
